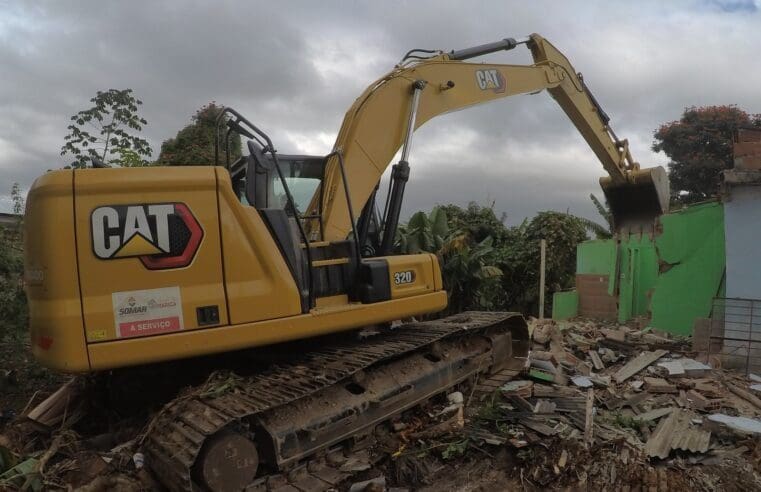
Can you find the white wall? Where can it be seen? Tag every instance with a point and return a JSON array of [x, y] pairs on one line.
[[742, 228]]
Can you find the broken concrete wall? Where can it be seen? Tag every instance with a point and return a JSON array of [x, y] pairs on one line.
[[738, 318], [565, 304], [747, 149], [672, 277], [595, 276], [691, 263], [741, 195], [638, 273], [743, 232]]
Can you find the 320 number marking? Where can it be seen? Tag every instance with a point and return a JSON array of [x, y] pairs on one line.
[[405, 277]]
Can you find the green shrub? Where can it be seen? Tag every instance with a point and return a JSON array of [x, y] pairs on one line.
[[489, 266]]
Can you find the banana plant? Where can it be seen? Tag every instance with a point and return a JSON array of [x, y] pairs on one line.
[[423, 232], [469, 273]]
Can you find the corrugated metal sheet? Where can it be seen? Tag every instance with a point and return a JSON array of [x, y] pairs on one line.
[[677, 432]]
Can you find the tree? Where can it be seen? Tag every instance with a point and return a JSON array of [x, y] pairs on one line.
[[194, 144], [477, 220], [601, 231], [699, 147], [17, 199], [520, 252], [115, 122]]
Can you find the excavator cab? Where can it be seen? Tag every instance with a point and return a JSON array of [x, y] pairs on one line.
[[287, 192]]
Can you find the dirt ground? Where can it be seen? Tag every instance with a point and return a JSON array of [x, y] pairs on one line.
[[22, 380]]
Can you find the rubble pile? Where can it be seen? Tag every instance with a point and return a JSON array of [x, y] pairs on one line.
[[598, 406], [610, 400]]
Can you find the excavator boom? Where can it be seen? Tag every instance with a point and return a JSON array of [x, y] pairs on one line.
[[377, 124]]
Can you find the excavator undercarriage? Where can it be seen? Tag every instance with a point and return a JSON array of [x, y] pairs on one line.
[[276, 427]]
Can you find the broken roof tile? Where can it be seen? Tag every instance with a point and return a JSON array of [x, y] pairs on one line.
[[637, 364]]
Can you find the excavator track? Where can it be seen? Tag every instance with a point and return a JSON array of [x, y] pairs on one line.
[[266, 430]]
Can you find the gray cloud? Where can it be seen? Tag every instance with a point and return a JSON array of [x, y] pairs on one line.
[[295, 67]]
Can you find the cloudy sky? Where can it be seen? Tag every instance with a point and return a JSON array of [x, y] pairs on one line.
[[295, 67]]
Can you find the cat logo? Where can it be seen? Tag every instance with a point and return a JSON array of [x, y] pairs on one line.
[[162, 235], [491, 79]]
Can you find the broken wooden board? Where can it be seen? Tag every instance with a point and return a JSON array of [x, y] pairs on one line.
[[62, 404], [520, 388], [537, 425], [654, 414], [589, 417], [596, 361], [745, 395], [709, 388], [571, 404], [547, 391], [625, 347], [637, 364], [616, 335]]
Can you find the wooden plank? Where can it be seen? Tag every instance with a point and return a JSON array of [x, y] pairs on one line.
[[542, 263], [637, 364], [654, 414], [588, 418], [537, 426], [745, 395], [596, 360], [546, 391]]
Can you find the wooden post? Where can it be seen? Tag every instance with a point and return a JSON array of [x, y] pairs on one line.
[[589, 418], [543, 256]]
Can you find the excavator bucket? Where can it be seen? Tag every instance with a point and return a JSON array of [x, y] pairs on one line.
[[644, 196]]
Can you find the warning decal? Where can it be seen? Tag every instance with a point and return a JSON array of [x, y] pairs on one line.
[[140, 313]]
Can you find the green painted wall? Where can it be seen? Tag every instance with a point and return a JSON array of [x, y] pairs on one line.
[[565, 304], [673, 279], [596, 257], [638, 272], [691, 249]]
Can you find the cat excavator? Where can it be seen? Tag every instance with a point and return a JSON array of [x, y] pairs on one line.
[[130, 267]]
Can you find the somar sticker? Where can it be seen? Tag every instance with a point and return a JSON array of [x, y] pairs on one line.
[[140, 313]]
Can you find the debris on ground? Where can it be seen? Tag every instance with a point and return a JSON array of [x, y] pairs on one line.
[[614, 405], [598, 405]]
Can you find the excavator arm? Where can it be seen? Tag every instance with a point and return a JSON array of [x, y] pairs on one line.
[[382, 119]]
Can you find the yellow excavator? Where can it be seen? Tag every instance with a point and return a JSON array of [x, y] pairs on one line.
[[134, 266]]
